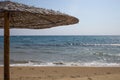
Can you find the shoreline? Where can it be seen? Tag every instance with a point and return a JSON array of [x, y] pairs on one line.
[[62, 73], [63, 64]]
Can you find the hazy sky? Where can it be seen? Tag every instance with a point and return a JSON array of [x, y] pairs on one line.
[[97, 17]]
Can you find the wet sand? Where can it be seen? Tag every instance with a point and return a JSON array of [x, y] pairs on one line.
[[63, 73]]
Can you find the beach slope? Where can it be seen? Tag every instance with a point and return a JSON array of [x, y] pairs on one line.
[[63, 73]]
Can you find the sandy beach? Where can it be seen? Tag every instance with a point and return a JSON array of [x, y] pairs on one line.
[[63, 73]]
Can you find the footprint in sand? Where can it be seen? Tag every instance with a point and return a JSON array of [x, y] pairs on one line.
[[89, 78]]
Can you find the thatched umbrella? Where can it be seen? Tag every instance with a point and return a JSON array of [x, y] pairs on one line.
[[15, 15]]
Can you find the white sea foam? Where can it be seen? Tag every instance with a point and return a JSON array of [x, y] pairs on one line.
[[102, 44], [70, 64]]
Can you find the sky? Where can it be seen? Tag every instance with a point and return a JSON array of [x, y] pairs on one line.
[[97, 17]]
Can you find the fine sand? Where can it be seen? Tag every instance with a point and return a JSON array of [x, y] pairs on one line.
[[63, 73]]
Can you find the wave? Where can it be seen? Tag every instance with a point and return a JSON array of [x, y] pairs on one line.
[[106, 54], [100, 45], [92, 64], [17, 61], [69, 64], [22, 46]]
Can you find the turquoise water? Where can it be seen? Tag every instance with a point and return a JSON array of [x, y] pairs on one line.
[[63, 50]]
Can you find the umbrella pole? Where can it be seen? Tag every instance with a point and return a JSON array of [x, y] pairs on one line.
[[6, 46]]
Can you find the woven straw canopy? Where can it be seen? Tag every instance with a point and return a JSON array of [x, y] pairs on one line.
[[23, 16], [15, 15]]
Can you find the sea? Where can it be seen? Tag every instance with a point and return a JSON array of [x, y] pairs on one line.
[[95, 51]]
